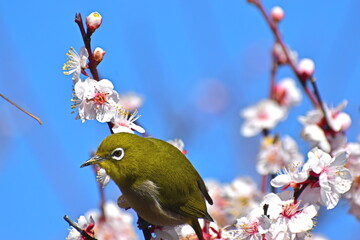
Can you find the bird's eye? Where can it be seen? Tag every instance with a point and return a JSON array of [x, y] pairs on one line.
[[118, 154]]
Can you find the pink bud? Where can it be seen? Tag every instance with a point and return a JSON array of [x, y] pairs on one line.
[[277, 13], [344, 119], [306, 67], [93, 21], [99, 54]]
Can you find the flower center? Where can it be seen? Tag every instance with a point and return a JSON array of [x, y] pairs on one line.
[[251, 228], [100, 98], [263, 115], [291, 209]]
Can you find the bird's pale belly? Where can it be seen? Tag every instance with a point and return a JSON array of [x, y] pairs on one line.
[[145, 202]]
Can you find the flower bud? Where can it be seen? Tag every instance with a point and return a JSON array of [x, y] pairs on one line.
[[306, 68], [93, 21], [344, 120], [99, 54], [277, 13]]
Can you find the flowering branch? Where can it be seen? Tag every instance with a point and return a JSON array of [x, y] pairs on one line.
[[87, 41], [313, 96], [23, 110], [105, 101], [81, 231]]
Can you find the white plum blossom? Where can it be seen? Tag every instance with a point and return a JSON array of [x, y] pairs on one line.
[[277, 153], [95, 99], [218, 210], [242, 195], [263, 116], [251, 227], [338, 120], [83, 223], [328, 138], [102, 177], [288, 216], [290, 177], [75, 63], [131, 101], [118, 224], [286, 93], [125, 122], [334, 178], [232, 201]]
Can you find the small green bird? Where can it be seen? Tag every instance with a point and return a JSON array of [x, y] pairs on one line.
[[156, 180]]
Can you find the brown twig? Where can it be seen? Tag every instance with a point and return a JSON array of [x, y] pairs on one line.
[[81, 231], [273, 72], [317, 94], [23, 110], [92, 63], [87, 42]]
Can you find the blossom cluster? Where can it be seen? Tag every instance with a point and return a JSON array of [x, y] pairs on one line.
[[291, 214], [97, 99], [332, 167]]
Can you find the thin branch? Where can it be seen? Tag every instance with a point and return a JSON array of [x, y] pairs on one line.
[[297, 192], [273, 72], [87, 42], [317, 94], [81, 231], [23, 110], [279, 39]]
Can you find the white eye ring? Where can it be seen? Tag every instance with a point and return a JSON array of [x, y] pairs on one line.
[[118, 154]]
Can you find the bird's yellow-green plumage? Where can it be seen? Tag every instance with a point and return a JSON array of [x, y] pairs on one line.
[[155, 178]]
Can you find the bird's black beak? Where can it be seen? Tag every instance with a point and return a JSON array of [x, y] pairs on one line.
[[94, 160]]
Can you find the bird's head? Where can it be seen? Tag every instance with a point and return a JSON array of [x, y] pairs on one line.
[[116, 154]]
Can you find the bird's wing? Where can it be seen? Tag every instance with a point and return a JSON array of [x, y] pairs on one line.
[[180, 194]]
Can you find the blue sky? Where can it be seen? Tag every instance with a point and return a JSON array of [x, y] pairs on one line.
[[173, 53]]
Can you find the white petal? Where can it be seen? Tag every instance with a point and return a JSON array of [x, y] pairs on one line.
[[82, 222], [137, 128], [329, 199], [274, 205], [118, 129], [80, 89], [248, 129], [324, 182], [340, 158], [264, 224], [280, 180], [105, 86]]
